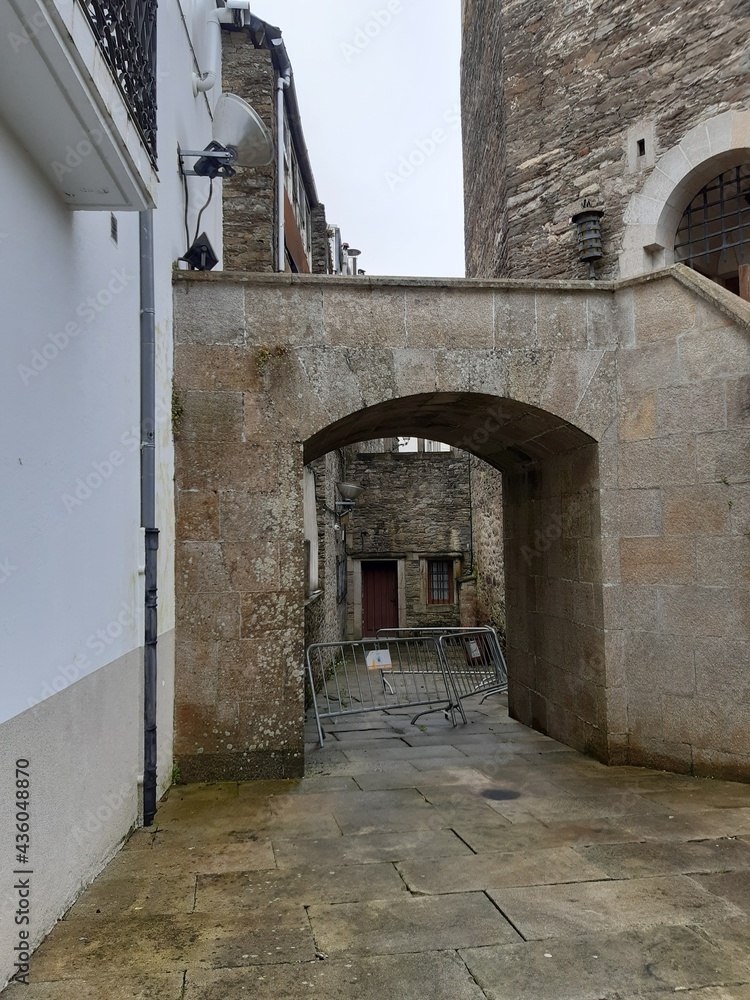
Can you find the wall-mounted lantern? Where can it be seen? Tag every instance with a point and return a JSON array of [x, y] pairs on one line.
[[588, 224]]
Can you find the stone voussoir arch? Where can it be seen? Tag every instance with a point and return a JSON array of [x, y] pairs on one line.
[[654, 213]]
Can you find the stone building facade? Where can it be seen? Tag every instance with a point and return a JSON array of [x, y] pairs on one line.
[[249, 202], [251, 66], [581, 101], [416, 510], [414, 517]]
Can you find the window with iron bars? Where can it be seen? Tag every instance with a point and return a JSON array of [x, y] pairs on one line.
[[439, 581], [715, 228], [341, 578], [126, 33]]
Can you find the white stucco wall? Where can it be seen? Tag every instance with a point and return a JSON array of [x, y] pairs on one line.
[[71, 545]]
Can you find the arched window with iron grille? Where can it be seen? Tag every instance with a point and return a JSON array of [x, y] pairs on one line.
[[714, 234]]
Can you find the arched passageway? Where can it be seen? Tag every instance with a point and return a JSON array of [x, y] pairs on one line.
[[554, 604], [605, 406]]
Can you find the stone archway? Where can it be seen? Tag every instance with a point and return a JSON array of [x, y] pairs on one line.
[[582, 393], [653, 215], [551, 498]]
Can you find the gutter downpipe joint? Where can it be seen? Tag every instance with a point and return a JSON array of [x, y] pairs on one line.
[[216, 17], [282, 83]]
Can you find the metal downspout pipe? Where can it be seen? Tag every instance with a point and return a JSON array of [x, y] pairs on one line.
[[148, 506], [282, 83]]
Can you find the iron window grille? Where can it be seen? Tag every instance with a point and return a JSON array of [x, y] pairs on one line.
[[439, 581], [126, 33], [341, 579], [716, 220]]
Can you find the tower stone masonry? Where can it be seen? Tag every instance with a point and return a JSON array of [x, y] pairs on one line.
[[579, 100]]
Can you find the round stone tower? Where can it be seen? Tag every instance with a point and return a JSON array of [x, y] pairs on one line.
[[637, 108]]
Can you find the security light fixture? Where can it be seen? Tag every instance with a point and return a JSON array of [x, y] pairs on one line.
[[350, 493], [201, 256]]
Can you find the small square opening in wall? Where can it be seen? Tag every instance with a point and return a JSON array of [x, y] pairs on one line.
[[113, 227], [640, 147]]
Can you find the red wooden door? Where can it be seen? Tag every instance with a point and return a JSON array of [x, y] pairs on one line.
[[379, 596]]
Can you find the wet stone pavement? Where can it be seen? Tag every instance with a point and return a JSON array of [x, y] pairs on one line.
[[422, 863]]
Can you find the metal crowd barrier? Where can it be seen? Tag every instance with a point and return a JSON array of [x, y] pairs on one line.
[[433, 669], [376, 675], [473, 655]]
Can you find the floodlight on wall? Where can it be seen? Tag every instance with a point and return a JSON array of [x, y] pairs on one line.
[[240, 139], [350, 493], [201, 256]]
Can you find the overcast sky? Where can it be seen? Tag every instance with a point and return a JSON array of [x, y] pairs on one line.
[[378, 88]]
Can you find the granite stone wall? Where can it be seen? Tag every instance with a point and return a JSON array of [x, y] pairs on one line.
[[249, 198], [325, 615], [557, 98], [619, 414], [487, 530]]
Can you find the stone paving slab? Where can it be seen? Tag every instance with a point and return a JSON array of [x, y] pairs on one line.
[[608, 907], [642, 860], [365, 766], [425, 761], [315, 884], [292, 815], [466, 776], [482, 837], [574, 807], [495, 871], [733, 886], [427, 923], [660, 960], [369, 848], [384, 751], [725, 794], [166, 943], [703, 824], [316, 784], [106, 987], [373, 781], [454, 803], [437, 975], [110, 897], [215, 857], [384, 811], [732, 992], [350, 737]]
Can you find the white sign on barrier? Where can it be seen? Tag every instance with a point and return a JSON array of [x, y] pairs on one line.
[[379, 659]]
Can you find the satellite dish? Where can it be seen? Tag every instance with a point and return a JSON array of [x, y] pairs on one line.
[[240, 129]]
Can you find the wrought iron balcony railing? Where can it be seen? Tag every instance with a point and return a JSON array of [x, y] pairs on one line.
[[126, 33]]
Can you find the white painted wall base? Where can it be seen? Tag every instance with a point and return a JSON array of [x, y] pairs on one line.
[[85, 750], [84, 746]]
